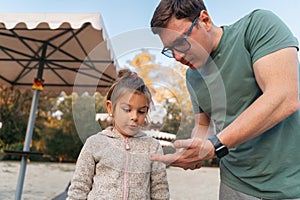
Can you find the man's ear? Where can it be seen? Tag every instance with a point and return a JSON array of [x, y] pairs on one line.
[[108, 105], [205, 19]]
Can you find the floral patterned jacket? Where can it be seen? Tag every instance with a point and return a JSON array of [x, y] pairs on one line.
[[112, 167]]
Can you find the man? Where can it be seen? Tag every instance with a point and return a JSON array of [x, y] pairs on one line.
[[244, 86]]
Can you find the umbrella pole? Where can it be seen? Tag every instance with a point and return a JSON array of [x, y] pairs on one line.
[[30, 125], [26, 147]]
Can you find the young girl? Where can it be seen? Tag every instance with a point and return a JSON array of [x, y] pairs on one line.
[[115, 164]]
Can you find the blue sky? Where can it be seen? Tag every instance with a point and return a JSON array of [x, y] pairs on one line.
[[123, 17]]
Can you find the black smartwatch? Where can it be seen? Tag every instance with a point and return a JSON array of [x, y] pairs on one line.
[[220, 149]]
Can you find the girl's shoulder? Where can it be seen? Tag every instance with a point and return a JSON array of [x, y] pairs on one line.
[[147, 138]]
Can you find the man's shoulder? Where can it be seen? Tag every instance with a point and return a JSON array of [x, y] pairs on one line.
[[257, 21], [261, 13], [254, 16], [257, 14]]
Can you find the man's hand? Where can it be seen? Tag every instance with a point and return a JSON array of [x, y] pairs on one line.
[[189, 154]]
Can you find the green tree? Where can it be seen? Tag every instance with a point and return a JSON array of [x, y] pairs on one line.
[[172, 118], [13, 115], [58, 137], [65, 136], [85, 108]]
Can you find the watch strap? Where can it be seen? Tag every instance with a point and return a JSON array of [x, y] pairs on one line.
[[220, 149]]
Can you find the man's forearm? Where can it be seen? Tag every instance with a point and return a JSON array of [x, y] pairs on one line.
[[255, 120], [201, 131]]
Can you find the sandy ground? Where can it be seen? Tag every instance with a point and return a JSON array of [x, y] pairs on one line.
[[44, 181]]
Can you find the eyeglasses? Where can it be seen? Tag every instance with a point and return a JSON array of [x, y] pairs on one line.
[[182, 44]]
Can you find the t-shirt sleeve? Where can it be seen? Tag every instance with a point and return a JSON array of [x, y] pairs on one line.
[[267, 33]]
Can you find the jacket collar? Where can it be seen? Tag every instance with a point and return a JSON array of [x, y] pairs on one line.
[[114, 134]]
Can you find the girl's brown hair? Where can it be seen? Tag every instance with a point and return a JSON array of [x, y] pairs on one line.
[[129, 82]]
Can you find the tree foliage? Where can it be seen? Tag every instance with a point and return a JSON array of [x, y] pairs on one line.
[[56, 136], [14, 111]]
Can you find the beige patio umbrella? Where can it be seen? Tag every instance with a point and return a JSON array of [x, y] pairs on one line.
[[53, 52]]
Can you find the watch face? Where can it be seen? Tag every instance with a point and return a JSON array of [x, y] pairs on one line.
[[222, 151]]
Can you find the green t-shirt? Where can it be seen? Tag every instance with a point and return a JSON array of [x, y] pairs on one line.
[[267, 166]]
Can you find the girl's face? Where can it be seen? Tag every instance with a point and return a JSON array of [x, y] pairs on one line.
[[129, 114]]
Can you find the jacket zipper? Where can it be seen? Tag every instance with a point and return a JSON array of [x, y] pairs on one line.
[[127, 148]]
